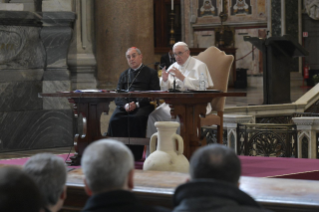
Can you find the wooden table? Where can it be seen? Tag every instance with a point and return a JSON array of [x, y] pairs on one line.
[[157, 188], [188, 106]]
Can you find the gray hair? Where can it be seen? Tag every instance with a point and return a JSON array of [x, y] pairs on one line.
[[49, 173], [181, 44], [137, 50], [217, 162], [106, 164]]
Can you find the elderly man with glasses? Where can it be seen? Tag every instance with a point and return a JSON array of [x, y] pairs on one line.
[[185, 74]]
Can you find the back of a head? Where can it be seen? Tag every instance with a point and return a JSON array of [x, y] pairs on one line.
[[106, 164], [49, 173], [18, 192], [216, 162]]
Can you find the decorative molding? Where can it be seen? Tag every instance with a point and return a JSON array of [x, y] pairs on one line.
[[312, 8]]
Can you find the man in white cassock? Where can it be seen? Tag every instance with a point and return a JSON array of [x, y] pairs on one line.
[[186, 71]]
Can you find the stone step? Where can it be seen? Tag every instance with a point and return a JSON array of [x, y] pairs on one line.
[[257, 80]]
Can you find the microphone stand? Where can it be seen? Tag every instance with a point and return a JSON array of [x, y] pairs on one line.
[[174, 90]]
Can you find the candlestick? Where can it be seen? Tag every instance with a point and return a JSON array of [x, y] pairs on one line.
[[172, 7]]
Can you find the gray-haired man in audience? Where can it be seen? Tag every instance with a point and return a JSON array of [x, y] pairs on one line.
[[108, 167], [49, 173], [214, 171]]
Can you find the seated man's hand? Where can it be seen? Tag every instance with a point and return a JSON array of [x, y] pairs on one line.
[[177, 73], [130, 107], [164, 74]]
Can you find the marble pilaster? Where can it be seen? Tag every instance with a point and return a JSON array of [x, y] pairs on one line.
[[81, 59], [276, 18], [56, 35], [122, 24], [308, 127]]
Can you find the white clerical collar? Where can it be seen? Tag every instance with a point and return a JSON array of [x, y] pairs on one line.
[[186, 63], [138, 67]]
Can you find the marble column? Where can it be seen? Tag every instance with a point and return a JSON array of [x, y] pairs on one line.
[[81, 58], [122, 24]]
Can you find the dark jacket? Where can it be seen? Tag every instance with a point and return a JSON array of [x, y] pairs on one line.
[[142, 79], [210, 195], [118, 201], [166, 61]]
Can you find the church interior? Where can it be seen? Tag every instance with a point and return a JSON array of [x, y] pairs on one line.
[[59, 57]]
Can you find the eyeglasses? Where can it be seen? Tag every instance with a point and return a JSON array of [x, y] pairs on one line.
[[179, 53]]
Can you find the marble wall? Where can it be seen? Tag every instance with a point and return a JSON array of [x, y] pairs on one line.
[[199, 31], [33, 61], [292, 27], [122, 24], [246, 51]]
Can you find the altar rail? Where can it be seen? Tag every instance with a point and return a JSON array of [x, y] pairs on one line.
[[279, 140], [307, 129]]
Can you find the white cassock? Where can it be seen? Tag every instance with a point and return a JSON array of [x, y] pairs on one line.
[[191, 69]]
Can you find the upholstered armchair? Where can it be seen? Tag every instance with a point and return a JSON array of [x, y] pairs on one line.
[[219, 65]]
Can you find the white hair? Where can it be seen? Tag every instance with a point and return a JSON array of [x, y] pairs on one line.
[[49, 173], [137, 50], [106, 164], [181, 44]]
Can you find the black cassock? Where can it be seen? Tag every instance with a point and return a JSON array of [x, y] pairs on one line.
[[133, 124]]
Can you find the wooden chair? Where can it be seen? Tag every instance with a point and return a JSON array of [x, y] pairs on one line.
[[219, 65]]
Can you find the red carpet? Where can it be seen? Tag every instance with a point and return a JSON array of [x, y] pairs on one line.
[[22, 161], [292, 168]]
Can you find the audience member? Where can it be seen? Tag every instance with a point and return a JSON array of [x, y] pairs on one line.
[[18, 192], [214, 171], [108, 167], [49, 173]]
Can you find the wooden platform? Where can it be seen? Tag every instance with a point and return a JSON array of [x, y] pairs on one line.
[[157, 188]]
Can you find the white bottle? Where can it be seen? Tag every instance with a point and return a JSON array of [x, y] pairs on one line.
[[202, 82]]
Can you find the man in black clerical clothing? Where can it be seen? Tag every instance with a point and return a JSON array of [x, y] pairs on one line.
[[108, 169], [167, 59], [130, 116]]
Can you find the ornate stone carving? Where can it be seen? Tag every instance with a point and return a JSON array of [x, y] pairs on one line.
[[312, 8]]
